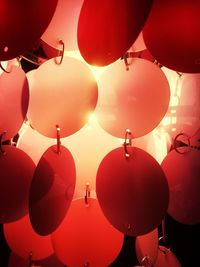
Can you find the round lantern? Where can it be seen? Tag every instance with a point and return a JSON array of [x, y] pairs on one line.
[[52, 189], [14, 100], [24, 242], [171, 34], [26, 21], [17, 169], [182, 172], [107, 29], [132, 191], [63, 25], [85, 238], [136, 99], [62, 95]]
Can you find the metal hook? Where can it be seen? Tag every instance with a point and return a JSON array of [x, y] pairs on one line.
[[60, 53], [175, 143], [4, 70], [146, 260], [87, 194], [1, 143], [127, 142], [128, 54], [58, 139]]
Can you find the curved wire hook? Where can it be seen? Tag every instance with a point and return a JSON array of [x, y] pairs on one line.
[[58, 138], [3, 69], [146, 260], [127, 142], [1, 143], [60, 53], [175, 143], [87, 194]]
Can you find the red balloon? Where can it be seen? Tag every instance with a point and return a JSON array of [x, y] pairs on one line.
[[63, 25], [136, 99], [166, 258], [14, 100], [183, 172], [17, 169], [63, 95], [133, 192], [85, 238], [107, 29], [23, 240], [147, 246], [26, 21], [171, 34], [52, 189]]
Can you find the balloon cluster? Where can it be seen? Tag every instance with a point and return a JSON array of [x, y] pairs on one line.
[[87, 160]]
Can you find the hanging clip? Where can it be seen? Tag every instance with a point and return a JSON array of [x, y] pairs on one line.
[[58, 139], [146, 261], [3, 69], [125, 58], [2, 135], [176, 142], [60, 53], [87, 194], [127, 142]]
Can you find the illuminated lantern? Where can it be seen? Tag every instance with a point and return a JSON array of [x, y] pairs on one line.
[[62, 94], [147, 248], [52, 189], [136, 99], [17, 169], [107, 29], [182, 172], [24, 242], [63, 25], [171, 34], [166, 258], [85, 238], [14, 100], [26, 21], [132, 190]]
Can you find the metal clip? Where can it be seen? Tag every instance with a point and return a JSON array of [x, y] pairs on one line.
[[60, 53], [58, 139], [87, 194], [127, 142]]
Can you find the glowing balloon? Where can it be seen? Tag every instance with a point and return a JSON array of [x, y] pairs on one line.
[[166, 258], [136, 99], [26, 21], [63, 25], [62, 95], [52, 189], [17, 169], [171, 34], [183, 172], [106, 29], [147, 246], [23, 240], [133, 192], [14, 100], [85, 238]]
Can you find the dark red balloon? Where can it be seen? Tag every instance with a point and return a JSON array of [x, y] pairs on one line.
[[133, 192], [171, 34], [14, 100], [16, 171], [22, 23], [107, 29], [51, 190]]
